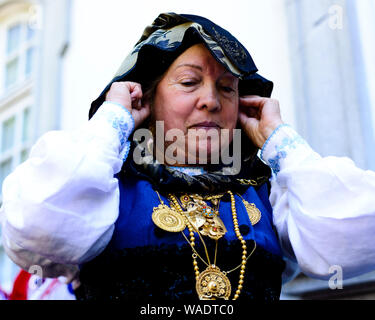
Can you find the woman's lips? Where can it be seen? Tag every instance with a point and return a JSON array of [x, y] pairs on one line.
[[206, 125]]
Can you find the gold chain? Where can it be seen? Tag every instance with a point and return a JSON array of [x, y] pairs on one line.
[[210, 197], [191, 229], [244, 247], [192, 238]]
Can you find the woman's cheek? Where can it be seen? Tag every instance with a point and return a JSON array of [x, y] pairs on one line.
[[171, 123]]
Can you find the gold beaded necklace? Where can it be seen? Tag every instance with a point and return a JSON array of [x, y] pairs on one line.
[[212, 283]]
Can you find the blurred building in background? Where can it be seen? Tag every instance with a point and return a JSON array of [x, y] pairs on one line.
[[56, 56], [332, 50], [18, 46], [32, 39]]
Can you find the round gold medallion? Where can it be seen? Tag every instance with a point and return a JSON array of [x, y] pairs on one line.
[[168, 219], [213, 284], [253, 212]]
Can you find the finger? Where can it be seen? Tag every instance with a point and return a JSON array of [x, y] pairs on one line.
[[144, 113], [137, 104], [251, 96], [255, 101], [135, 90], [141, 115], [242, 117], [250, 111], [246, 122]]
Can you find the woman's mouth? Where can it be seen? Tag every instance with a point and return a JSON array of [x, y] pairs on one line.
[[206, 125]]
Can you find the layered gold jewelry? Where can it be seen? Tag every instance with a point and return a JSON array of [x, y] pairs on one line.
[[212, 283]]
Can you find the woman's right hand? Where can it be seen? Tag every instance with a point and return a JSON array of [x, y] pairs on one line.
[[259, 117], [129, 94]]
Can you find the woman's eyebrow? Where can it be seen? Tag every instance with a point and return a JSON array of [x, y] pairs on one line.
[[228, 75], [195, 66], [198, 67]]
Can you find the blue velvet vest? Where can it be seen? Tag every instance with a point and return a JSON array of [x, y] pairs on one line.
[[145, 262]]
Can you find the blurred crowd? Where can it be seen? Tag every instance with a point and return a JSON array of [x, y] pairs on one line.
[[31, 287]]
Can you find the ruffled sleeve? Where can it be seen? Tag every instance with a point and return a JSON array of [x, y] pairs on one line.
[[324, 207], [59, 207]]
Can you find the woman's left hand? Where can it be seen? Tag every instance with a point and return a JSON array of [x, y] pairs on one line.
[[259, 117]]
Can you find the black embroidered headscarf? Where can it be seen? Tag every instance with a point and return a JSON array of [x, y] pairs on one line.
[[161, 43], [170, 35]]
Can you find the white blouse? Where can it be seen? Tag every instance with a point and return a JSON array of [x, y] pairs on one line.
[[60, 206]]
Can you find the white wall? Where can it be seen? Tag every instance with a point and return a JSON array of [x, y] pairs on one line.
[[366, 20], [103, 33]]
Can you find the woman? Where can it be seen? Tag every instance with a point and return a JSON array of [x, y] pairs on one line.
[[163, 228]]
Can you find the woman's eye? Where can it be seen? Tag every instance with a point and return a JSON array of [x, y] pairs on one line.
[[227, 89], [188, 83]]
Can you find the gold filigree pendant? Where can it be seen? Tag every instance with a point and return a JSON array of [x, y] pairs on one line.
[[253, 212], [168, 219], [213, 284], [203, 217], [213, 228]]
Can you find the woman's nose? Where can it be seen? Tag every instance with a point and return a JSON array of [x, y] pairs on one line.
[[209, 99]]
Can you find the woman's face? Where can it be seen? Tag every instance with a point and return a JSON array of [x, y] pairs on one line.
[[197, 92]]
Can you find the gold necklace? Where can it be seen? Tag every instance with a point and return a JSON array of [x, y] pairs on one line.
[[213, 283]]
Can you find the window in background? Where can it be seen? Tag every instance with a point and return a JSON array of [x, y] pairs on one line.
[[18, 48], [19, 57], [8, 129], [15, 140], [13, 38], [5, 168]]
